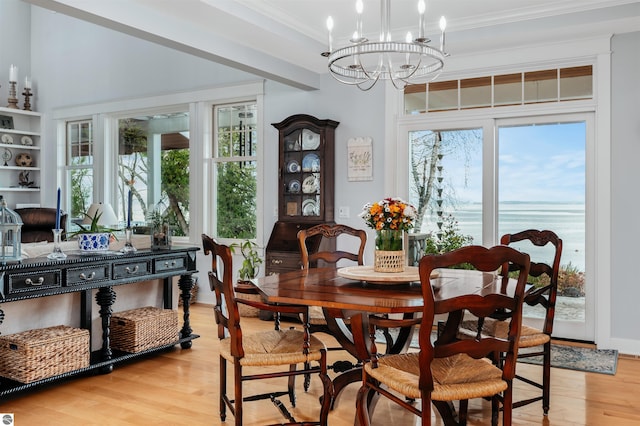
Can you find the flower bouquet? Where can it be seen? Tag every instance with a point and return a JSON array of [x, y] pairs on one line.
[[390, 217]]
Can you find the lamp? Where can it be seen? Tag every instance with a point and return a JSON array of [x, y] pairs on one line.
[[362, 63], [105, 211]]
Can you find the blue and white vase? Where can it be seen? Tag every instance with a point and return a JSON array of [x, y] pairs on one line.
[[94, 242]]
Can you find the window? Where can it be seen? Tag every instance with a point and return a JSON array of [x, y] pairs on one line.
[[530, 87], [235, 160], [80, 152], [153, 164]]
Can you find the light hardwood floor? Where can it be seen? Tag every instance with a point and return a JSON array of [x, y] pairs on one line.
[[180, 387]]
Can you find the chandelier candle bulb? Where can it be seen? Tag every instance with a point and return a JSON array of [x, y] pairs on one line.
[[421, 10], [443, 25], [358, 36], [330, 28]]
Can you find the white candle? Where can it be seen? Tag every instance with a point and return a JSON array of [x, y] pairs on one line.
[[13, 73], [421, 9], [330, 28], [27, 83], [359, 9]]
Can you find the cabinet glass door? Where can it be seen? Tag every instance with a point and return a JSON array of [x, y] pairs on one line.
[[302, 173]]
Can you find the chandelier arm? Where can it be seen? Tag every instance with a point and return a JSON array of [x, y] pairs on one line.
[[393, 77], [373, 83]]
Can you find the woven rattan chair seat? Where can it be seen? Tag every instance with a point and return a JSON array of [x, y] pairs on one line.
[[529, 336], [455, 378], [275, 347]]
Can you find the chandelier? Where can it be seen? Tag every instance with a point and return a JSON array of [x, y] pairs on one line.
[[362, 63]]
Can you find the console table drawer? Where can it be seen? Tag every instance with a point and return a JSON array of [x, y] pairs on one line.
[[131, 269], [79, 276], [170, 264], [35, 281]]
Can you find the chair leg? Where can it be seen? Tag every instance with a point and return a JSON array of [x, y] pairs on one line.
[[462, 412], [362, 406], [238, 392], [307, 377], [495, 410], [507, 405], [546, 377], [292, 386], [223, 389], [328, 392]]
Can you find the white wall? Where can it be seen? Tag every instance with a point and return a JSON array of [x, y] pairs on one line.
[[625, 225]]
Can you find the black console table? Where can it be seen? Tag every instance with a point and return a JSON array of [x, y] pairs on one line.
[[79, 273]]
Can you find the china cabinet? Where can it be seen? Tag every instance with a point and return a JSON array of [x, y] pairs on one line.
[[305, 186], [20, 155], [306, 168]]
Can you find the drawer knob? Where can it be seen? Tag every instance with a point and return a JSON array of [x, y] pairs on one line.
[[170, 264], [88, 278], [276, 261], [132, 271], [29, 281]]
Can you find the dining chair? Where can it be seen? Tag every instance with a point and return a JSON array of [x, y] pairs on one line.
[[544, 296], [452, 369], [329, 258], [263, 350], [308, 260]]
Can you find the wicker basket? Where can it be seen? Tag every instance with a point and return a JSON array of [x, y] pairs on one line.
[[143, 328], [45, 352], [388, 261]]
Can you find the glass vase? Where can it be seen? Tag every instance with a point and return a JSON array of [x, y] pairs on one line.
[[389, 240], [389, 253]]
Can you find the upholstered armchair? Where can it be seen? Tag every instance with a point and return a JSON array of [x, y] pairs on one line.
[[38, 223]]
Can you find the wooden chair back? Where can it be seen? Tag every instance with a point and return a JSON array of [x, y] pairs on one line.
[[544, 295], [330, 231], [482, 305], [226, 311]]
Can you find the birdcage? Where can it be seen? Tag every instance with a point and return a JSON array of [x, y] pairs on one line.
[[10, 234]]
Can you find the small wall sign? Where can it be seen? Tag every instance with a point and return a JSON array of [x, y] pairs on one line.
[[360, 159]]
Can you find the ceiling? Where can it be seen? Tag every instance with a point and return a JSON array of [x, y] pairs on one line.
[[282, 39]]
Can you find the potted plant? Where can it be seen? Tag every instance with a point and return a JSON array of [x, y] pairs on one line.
[[251, 262], [248, 270], [94, 237]]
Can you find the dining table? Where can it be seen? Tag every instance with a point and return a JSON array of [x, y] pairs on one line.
[[352, 294]]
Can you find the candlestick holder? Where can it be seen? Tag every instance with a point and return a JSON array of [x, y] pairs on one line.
[[27, 94], [128, 246], [13, 101], [57, 252]]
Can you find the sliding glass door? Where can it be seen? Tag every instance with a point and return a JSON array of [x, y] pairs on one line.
[[542, 185], [472, 185]]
